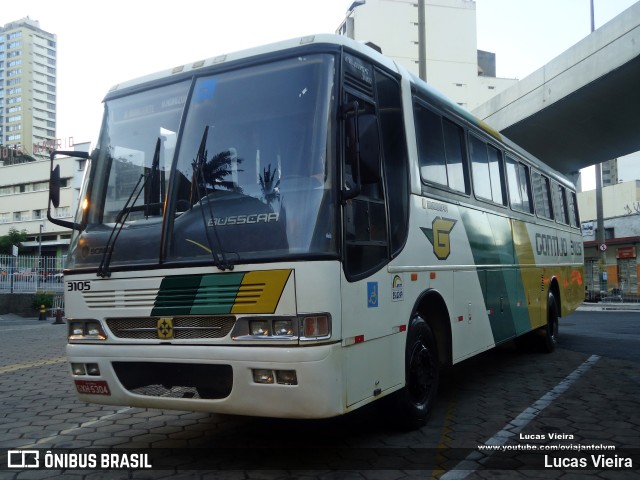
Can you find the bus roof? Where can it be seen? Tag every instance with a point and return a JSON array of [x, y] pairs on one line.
[[193, 67]]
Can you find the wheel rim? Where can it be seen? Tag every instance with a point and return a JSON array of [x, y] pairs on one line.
[[419, 378]]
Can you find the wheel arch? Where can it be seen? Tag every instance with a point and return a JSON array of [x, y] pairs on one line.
[[431, 306]]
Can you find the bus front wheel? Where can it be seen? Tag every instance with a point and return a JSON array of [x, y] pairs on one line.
[[415, 401]]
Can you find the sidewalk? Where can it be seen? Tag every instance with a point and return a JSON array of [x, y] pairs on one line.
[[13, 319], [608, 306]]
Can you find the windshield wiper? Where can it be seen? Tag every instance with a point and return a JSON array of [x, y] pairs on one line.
[[121, 218], [217, 252]]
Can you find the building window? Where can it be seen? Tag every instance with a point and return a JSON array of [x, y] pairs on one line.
[[62, 212], [21, 216], [609, 234]]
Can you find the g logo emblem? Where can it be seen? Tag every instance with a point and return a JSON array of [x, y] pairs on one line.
[[165, 328], [439, 237]]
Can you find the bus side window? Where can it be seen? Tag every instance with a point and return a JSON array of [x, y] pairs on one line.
[[560, 204], [394, 158], [519, 184], [433, 167], [365, 217], [573, 210], [440, 150], [542, 196], [486, 162]]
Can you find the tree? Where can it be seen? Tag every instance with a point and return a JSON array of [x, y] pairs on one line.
[[14, 237]]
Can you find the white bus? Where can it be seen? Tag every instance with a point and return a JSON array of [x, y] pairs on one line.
[[303, 228]]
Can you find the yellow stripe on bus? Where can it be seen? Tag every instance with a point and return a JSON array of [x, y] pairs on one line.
[[260, 291]]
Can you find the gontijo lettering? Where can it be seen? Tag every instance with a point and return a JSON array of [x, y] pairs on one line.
[[554, 246]]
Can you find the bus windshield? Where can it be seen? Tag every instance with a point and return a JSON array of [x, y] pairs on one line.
[[233, 165]]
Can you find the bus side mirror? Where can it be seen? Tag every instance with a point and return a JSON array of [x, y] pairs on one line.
[[54, 186]]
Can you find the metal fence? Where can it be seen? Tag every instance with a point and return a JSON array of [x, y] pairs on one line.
[[29, 274]]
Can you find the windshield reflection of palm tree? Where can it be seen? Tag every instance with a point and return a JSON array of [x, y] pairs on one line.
[[209, 174], [217, 171], [270, 185]]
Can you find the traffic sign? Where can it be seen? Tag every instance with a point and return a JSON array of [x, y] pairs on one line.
[[603, 247]]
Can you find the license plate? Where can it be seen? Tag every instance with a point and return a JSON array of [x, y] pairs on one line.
[[92, 387]]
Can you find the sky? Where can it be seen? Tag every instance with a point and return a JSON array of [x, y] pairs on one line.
[[118, 40]]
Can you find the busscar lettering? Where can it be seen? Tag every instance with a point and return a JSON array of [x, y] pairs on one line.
[[251, 218]]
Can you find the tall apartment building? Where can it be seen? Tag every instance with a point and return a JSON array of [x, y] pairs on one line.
[[454, 65], [27, 91], [28, 86]]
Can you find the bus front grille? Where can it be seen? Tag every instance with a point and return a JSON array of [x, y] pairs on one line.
[[183, 327], [175, 380]]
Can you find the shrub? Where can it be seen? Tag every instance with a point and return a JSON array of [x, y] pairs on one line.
[[43, 298]]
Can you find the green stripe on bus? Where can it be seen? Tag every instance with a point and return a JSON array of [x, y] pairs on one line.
[[197, 294], [491, 242]]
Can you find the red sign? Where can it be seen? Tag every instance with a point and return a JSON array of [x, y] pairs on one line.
[[626, 252]]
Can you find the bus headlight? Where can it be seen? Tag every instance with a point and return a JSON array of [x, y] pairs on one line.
[[86, 330], [259, 328], [278, 329], [283, 327]]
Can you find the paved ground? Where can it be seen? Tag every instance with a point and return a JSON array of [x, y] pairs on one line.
[[502, 398]]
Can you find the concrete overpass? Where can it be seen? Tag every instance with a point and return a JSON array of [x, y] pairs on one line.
[[583, 107]]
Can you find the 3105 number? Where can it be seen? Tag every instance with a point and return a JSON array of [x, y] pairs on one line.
[[81, 286]]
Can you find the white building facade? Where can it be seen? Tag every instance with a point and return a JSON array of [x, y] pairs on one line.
[[453, 63], [24, 194]]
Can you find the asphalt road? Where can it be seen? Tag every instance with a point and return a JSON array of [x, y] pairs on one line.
[[609, 333]]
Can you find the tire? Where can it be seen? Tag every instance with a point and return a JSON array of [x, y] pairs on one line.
[[415, 401], [549, 337]]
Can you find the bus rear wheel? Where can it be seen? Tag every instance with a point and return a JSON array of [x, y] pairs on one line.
[[415, 401], [549, 334]]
